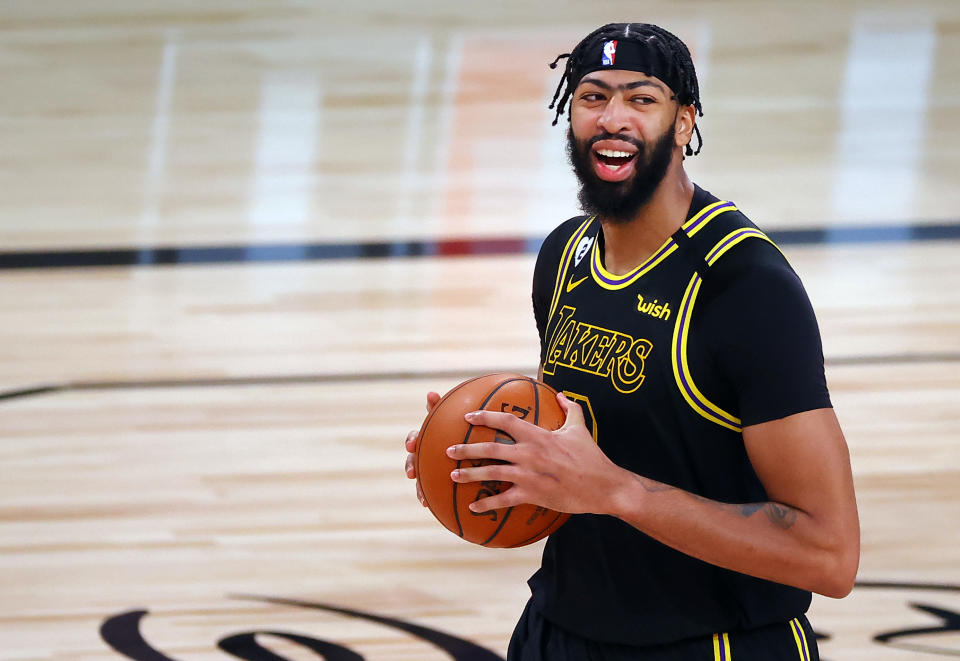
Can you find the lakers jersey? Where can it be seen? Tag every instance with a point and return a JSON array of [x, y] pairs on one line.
[[668, 362]]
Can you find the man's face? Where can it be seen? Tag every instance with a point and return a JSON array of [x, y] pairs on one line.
[[621, 140]]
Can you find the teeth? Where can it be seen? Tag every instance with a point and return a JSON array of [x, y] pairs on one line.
[[613, 154]]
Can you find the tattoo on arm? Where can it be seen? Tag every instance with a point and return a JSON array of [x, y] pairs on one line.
[[781, 516]]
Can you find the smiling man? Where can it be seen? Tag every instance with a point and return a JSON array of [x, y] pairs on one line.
[[706, 472]]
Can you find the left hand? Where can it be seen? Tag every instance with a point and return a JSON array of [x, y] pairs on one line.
[[562, 470]]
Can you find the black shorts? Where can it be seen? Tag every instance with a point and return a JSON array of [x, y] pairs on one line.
[[537, 639]]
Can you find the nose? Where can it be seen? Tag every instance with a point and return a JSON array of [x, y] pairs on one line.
[[613, 119]]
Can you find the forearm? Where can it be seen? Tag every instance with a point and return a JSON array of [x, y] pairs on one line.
[[808, 537], [768, 540]]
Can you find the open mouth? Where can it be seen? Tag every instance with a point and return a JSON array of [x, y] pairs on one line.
[[614, 159], [613, 164]]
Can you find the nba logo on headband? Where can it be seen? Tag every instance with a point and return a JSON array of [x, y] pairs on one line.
[[609, 53]]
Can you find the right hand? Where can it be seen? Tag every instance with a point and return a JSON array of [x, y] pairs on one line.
[[411, 445]]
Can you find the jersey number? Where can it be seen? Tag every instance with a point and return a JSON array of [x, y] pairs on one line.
[[587, 409]]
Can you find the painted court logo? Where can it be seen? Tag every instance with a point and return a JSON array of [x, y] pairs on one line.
[[609, 53], [923, 618]]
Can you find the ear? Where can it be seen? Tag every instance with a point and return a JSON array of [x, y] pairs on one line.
[[683, 125]]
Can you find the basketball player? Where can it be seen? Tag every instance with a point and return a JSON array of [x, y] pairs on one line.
[[707, 473]]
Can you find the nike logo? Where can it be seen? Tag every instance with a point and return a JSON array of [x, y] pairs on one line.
[[574, 284]]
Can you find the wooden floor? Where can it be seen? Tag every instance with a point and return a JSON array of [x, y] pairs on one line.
[[219, 445]]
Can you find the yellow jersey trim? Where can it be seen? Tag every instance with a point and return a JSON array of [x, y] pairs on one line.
[[800, 637], [681, 331], [565, 259], [721, 647], [613, 282]]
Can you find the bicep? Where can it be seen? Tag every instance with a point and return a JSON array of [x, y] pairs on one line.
[[803, 461]]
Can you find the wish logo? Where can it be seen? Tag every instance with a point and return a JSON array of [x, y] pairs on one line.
[[930, 613]]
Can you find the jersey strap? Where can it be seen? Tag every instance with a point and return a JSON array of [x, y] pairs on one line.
[[568, 254], [699, 220], [681, 331]]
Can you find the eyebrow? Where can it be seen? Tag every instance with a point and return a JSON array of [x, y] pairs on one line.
[[626, 86]]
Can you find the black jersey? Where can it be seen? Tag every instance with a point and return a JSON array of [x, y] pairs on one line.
[[669, 362]]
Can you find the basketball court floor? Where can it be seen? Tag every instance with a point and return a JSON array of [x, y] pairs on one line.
[[239, 242]]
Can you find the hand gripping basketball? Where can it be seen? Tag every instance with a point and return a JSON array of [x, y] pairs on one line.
[[512, 395], [562, 470]]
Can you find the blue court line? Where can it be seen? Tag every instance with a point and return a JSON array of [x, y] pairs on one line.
[[305, 252]]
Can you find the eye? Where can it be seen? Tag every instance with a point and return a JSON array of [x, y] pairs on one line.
[[643, 99], [591, 97]]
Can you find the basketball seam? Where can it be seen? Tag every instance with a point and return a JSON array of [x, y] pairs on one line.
[[506, 516], [423, 430], [536, 399], [547, 529], [543, 533]]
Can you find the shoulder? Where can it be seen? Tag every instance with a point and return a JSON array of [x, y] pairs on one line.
[[752, 263], [751, 280], [558, 246], [753, 292], [736, 249], [554, 252], [557, 239]]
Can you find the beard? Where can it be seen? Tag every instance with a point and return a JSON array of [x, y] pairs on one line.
[[619, 201]]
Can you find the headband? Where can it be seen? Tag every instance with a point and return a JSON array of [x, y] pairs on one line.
[[630, 55]]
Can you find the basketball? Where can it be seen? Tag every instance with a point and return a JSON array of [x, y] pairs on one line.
[[444, 426]]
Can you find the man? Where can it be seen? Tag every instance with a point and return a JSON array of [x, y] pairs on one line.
[[717, 492]]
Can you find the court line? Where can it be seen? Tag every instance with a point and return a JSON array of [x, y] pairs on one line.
[[462, 247], [400, 375]]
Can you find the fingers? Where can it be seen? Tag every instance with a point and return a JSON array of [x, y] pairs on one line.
[[494, 419], [412, 473], [499, 451], [506, 499], [411, 441], [485, 470], [411, 444], [410, 466], [486, 473], [572, 410]]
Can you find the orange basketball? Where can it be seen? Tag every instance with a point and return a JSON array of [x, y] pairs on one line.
[[449, 501]]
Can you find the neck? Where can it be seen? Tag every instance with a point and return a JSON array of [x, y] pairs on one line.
[[629, 244]]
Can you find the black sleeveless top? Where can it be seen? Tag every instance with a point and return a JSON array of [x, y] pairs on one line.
[[669, 362]]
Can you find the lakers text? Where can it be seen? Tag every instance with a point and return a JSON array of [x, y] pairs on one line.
[[595, 350]]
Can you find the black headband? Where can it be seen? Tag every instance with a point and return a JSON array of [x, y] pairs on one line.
[[630, 55]]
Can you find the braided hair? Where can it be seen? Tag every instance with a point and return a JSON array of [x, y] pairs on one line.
[[665, 47]]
